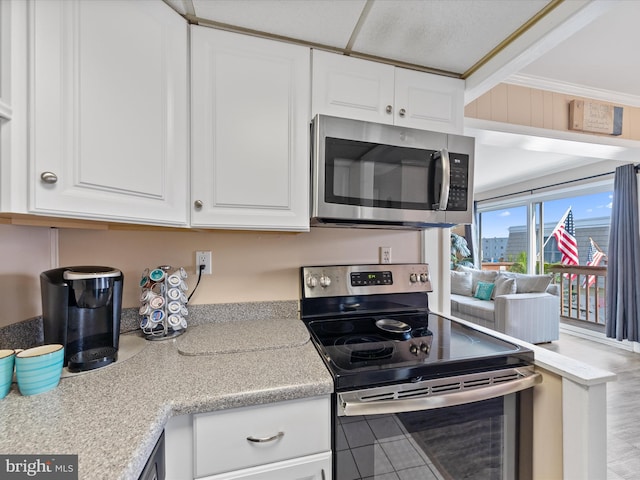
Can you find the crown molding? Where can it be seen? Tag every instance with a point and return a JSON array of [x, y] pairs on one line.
[[567, 88]]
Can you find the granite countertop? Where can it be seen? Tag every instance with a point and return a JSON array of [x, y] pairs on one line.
[[112, 417], [230, 337]]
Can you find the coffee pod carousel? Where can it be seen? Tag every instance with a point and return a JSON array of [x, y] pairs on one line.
[[163, 302]]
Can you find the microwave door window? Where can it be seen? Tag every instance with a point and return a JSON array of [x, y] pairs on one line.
[[373, 175]]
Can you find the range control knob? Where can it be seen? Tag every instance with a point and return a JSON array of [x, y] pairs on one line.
[[424, 348], [312, 281], [325, 281], [413, 278], [424, 277], [413, 349]]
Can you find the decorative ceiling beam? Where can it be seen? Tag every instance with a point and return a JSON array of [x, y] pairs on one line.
[[557, 23]]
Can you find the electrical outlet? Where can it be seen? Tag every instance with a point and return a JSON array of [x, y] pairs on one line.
[[203, 258], [385, 254]]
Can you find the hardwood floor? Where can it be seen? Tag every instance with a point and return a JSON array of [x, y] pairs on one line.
[[623, 400]]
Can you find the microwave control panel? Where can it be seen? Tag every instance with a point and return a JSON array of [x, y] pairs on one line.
[[459, 181]]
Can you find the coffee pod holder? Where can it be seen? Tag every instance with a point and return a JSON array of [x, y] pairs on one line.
[[163, 302]]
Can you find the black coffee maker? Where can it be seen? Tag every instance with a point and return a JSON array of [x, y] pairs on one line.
[[81, 309]]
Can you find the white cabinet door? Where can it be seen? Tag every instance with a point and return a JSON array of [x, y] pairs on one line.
[[429, 102], [313, 467], [5, 60], [230, 440], [365, 90], [250, 132], [110, 111], [5, 102], [178, 448], [352, 88]]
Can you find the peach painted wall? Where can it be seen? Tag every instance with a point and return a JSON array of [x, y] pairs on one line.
[[24, 253], [247, 266], [532, 107]]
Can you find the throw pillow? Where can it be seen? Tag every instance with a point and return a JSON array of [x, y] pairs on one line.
[[504, 286], [488, 276], [530, 283], [483, 291], [461, 283]]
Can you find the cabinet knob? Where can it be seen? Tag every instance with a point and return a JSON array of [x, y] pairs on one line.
[[198, 204], [49, 177], [402, 112], [389, 109]]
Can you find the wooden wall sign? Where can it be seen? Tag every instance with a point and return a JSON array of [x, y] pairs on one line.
[[592, 117]]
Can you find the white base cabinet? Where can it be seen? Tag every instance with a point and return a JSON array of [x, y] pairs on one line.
[[109, 138], [376, 92], [286, 440], [249, 132], [312, 467]]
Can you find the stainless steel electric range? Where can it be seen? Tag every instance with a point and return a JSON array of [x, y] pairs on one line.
[[417, 395]]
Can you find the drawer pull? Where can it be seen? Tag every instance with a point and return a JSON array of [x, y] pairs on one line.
[[266, 439]]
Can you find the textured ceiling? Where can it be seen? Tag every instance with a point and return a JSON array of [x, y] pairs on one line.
[[447, 35]]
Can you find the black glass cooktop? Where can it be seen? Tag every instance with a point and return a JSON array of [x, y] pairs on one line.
[[378, 349]]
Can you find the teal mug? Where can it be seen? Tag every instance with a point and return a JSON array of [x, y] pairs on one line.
[[38, 369], [7, 360]]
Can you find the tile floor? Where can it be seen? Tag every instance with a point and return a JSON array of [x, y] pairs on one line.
[[623, 400], [381, 449]]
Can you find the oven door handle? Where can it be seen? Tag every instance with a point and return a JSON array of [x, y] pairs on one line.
[[350, 405]]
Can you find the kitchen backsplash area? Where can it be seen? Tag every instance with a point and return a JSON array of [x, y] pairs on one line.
[[248, 266], [30, 332], [24, 253]]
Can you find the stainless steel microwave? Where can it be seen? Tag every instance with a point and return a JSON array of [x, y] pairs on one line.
[[375, 175]]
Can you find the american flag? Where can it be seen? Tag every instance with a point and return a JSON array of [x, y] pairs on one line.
[[594, 257], [565, 234]]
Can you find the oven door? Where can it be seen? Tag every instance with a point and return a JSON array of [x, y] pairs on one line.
[[482, 433]]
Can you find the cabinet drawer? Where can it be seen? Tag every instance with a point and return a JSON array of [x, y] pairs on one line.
[[287, 430], [312, 467]]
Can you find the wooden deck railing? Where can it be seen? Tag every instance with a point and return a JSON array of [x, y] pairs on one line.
[[581, 299]]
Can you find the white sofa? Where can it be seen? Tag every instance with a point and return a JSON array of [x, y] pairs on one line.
[[522, 306]]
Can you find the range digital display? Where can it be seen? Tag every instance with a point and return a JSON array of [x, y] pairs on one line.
[[360, 279]]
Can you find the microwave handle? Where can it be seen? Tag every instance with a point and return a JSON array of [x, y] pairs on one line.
[[446, 179]]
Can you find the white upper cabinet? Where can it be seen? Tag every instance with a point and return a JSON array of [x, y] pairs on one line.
[[109, 137], [250, 132], [5, 102], [429, 102], [354, 88], [5, 59]]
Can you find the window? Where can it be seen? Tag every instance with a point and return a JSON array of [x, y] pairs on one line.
[[512, 237], [591, 217]]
